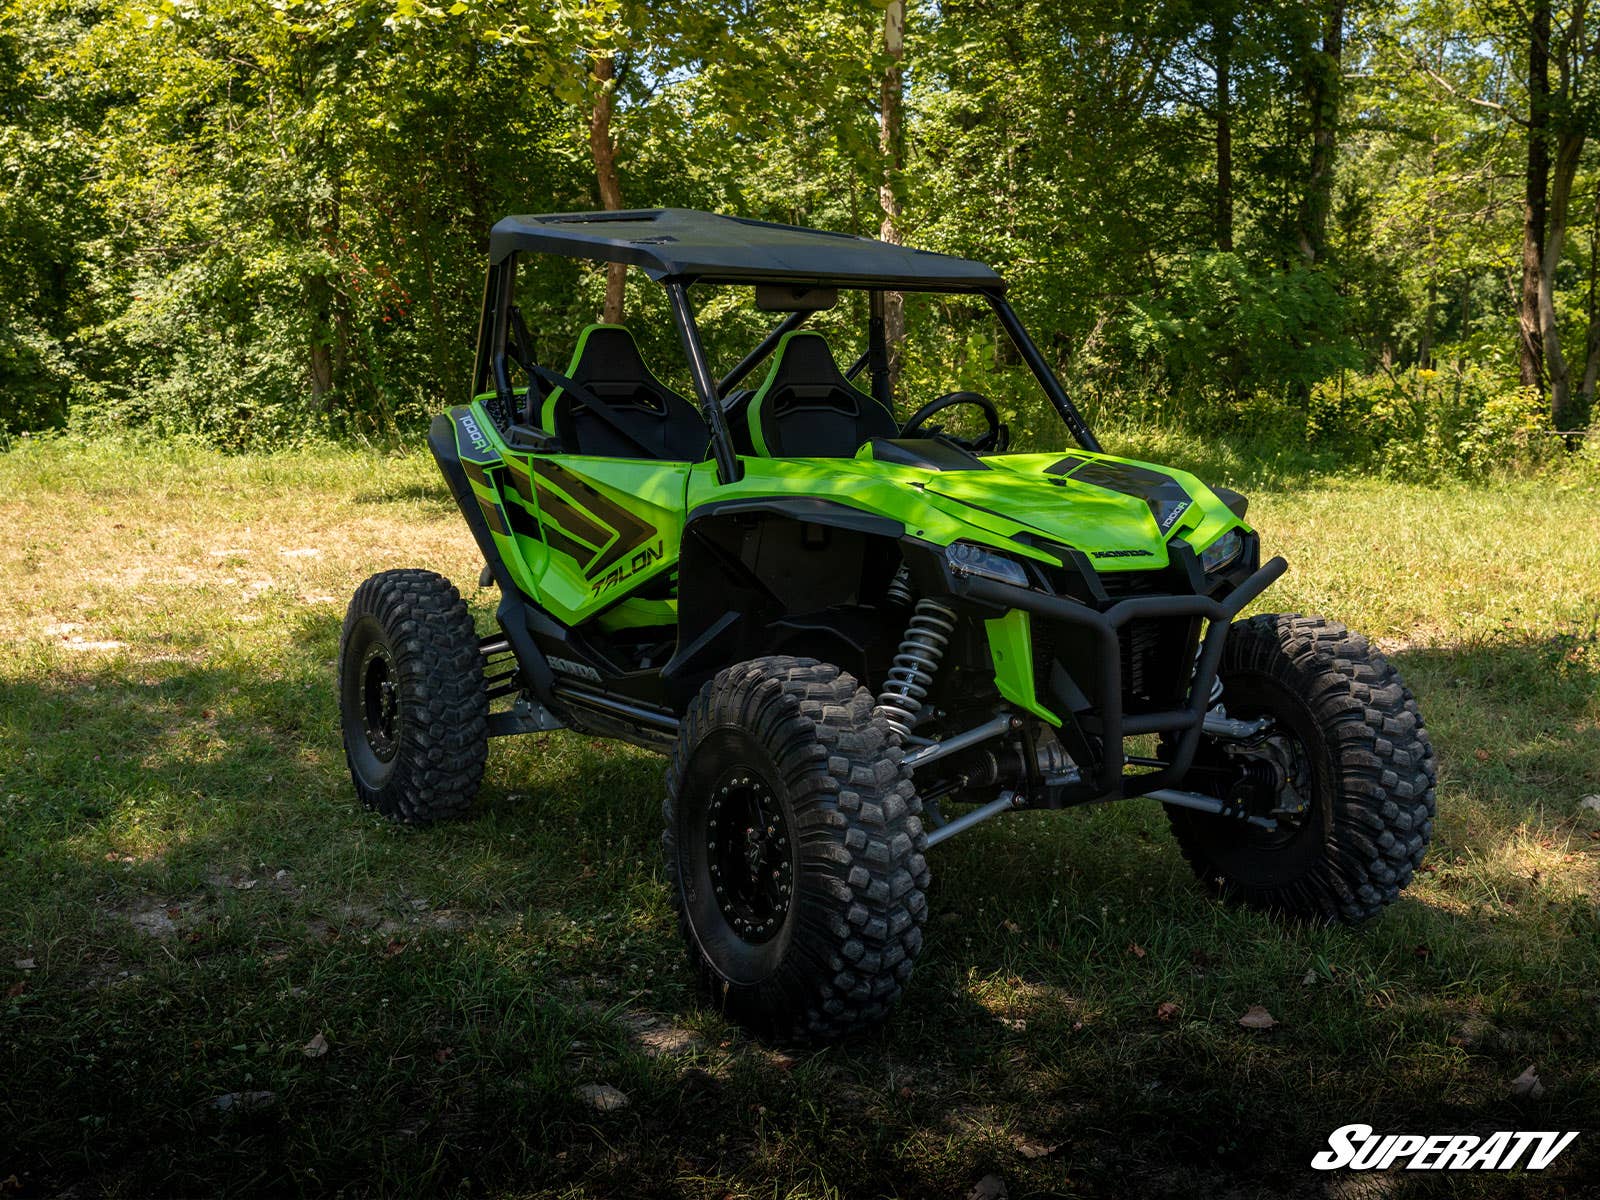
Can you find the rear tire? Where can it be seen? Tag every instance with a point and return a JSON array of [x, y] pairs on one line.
[[1367, 775], [795, 850], [412, 704]]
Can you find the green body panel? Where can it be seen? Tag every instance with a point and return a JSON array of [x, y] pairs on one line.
[[610, 525], [1016, 496], [1011, 647], [580, 534], [638, 612]]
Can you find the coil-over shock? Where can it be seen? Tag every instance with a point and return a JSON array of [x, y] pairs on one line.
[[921, 651]]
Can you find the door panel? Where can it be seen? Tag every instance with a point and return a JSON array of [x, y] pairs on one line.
[[607, 526]]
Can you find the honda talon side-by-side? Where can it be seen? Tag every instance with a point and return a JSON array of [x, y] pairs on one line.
[[853, 632]]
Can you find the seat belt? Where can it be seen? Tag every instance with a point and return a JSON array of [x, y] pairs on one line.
[[593, 403]]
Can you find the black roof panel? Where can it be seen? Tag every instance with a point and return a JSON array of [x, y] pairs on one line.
[[682, 243]]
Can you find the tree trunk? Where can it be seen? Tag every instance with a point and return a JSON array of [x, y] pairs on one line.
[[1535, 192], [603, 149], [1569, 148], [1222, 53], [1591, 367], [328, 327], [1323, 92], [891, 149]]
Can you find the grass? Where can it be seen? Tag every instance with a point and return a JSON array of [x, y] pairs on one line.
[[183, 866]]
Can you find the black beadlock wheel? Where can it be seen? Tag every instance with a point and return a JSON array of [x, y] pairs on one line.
[[412, 704], [795, 849], [1347, 771]]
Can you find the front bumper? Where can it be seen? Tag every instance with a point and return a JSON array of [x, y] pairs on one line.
[[1107, 722]]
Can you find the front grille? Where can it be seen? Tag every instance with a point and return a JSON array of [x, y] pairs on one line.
[[1157, 657], [1140, 640]]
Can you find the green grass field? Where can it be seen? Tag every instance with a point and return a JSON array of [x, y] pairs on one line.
[[190, 898]]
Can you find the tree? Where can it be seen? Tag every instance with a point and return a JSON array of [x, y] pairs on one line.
[[891, 145], [1323, 94], [1536, 183]]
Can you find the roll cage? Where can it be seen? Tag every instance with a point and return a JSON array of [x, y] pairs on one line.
[[680, 248]]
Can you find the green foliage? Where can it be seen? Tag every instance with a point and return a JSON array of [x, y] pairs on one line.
[[252, 223], [1421, 422], [1224, 333]]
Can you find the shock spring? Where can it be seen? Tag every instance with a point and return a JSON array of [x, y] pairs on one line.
[[921, 651]]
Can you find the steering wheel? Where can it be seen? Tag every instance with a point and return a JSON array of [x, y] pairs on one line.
[[997, 437]]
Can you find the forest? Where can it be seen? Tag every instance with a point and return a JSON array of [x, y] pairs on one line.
[[1369, 232]]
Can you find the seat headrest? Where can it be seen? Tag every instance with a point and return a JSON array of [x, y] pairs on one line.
[[606, 353], [807, 408]]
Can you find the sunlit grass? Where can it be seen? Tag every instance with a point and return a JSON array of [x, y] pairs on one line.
[[181, 859]]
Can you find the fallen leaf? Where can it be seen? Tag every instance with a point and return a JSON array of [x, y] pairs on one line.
[[394, 947], [1034, 1149], [442, 1055], [1308, 979], [1011, 926], [16, 989], [1422, 950], [23, 964], [1527, 1085], [1015, 1024], [1256, 1017], [906, 1093], [243, 885], [316, 1047], [1136, 950], [1167, 1010], [602, 1097], [990, 1187], [1481, 755]]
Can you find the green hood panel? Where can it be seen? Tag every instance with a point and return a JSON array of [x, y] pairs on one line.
[[1114, 513]]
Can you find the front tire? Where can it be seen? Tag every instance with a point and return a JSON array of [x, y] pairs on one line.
[[1350, 740], [413, 708], [795, 849]]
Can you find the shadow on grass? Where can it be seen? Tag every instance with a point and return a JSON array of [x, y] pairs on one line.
[[181, 856]]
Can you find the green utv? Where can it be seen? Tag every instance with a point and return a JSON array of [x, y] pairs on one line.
[[856, 636]]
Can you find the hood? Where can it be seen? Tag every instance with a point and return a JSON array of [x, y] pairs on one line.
[[1120, 512]]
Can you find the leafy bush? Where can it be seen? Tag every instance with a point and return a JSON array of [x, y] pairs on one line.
[[1226, 334], [1420, 423]]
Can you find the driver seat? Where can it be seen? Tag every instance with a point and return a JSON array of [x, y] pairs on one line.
[[806, 408], [647, 415]]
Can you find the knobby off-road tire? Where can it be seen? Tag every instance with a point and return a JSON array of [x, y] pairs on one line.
[[1371, 776], [781, 768], [413, 707]]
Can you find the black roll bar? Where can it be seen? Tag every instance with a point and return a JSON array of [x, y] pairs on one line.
[[729, 469], [1042, 372]]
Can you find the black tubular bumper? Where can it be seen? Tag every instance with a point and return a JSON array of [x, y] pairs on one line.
[[1111, 725]]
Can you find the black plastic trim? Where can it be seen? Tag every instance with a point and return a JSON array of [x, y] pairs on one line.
[[513, 612]]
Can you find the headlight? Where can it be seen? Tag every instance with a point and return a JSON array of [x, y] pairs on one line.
[[1221, 552], [966, 559]]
